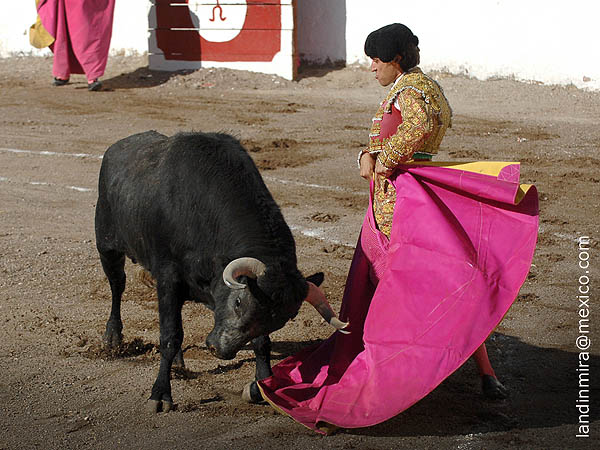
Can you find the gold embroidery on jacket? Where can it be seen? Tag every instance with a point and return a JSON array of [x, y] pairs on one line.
[[426, 115]]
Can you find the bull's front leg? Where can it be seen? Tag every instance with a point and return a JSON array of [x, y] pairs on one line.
[[113, 264], [262, 350], [171, 338]]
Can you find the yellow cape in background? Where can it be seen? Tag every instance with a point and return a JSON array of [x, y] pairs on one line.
[[38, 36]]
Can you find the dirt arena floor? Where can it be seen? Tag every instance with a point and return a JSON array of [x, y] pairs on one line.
[[59, 390]]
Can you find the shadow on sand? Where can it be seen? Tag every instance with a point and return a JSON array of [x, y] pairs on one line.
[[543, 385], [142, 77]]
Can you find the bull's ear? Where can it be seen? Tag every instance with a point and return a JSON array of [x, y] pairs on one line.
[[316, 278]]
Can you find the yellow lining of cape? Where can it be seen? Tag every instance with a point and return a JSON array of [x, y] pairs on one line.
[[38, 35], [327, 428], [484, 167]]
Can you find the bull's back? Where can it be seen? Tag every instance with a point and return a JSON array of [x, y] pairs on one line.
[[159, 195], [121, 191], [129, 157]]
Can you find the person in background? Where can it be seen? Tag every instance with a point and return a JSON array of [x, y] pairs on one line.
[[78, 32]]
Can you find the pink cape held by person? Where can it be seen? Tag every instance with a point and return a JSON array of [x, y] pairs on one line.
[[420, 303], [82, 31]]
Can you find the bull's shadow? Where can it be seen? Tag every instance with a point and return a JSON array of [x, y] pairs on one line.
[[279, 351], [543, 385]]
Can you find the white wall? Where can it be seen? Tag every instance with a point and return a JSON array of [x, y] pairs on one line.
[[551, 42], [321, 30], [130, 27]]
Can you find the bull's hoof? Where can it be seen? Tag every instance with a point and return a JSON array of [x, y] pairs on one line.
[[492, 388], [251, 393], [112, 339], [157, 406]]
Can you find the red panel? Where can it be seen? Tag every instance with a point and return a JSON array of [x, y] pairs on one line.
[[184, 45], [179, 16], [259, 40], [173, 16]]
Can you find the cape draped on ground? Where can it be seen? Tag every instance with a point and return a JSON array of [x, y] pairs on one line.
[[420, 304], [81, 33]]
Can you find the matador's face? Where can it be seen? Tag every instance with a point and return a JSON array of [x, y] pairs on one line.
[[385, 72]]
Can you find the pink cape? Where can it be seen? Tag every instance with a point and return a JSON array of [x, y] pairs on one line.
[[419, 305], [82, 32]]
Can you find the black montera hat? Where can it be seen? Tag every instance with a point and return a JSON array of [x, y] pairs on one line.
[[389, 41]]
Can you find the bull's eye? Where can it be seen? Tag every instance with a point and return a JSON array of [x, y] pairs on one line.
[[238, 302]]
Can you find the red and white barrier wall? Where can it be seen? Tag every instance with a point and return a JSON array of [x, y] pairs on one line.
[[255, 35], [548, 42]]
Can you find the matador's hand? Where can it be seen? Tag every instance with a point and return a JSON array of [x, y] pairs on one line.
[[381, 170], [367, 165]]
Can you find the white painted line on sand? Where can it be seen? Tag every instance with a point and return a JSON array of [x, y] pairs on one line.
[[44, 183], [265, 177], [47, 153], [565, 236], [313, 185], [314, 233], [319, 234]]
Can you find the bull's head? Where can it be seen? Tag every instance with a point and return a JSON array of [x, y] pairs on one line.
[[248, 312]]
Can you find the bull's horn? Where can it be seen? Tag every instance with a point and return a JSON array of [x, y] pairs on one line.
[[318, 300], [250, 267]]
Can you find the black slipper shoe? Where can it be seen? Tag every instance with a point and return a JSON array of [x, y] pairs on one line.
[[492, 388], [60, 81], [95, 85]]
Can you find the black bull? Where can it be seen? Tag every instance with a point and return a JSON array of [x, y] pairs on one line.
[[193, 210]]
